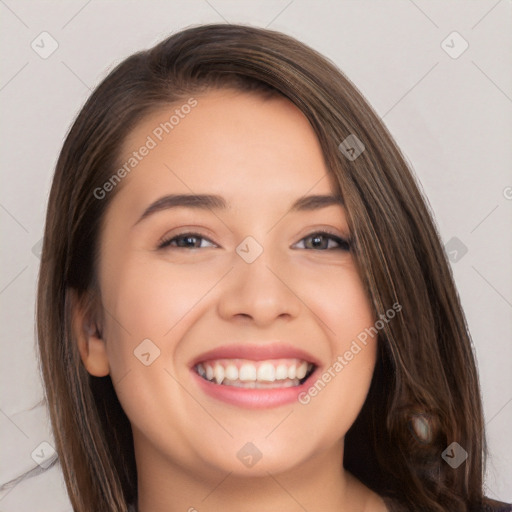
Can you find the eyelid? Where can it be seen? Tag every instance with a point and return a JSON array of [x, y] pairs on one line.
[[340, 239], [331, 232], [167, 238]]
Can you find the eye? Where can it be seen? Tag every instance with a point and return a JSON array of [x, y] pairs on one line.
[[186, 241], [322, 240]]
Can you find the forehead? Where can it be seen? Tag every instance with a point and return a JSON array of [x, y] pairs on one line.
[[226, 142]]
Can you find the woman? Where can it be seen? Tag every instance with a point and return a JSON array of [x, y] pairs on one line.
[[243, 301]]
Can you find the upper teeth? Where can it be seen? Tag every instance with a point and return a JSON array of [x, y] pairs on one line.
[[253, 371]]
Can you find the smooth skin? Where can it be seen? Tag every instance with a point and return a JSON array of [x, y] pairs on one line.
[[197, 293]]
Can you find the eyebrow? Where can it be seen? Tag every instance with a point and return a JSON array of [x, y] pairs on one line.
[[216, 202]]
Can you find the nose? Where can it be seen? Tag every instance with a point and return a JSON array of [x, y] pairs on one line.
[[260, 292]]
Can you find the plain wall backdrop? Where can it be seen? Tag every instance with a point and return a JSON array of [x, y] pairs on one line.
[[448, 106]]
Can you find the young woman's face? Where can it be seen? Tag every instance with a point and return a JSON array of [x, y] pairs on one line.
[[242, 288]]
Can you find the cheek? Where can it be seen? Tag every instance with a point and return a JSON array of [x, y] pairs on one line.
[[338, 298], [338, 393], [151, 297], [155, 300]]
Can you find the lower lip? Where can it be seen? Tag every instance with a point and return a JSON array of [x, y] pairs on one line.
[[253, 398]]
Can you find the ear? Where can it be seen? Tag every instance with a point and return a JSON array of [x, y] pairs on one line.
[[88, 335]]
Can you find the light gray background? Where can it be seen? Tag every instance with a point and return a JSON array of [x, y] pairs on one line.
[[451, 117]]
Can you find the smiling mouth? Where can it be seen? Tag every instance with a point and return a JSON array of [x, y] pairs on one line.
[[245, 373]]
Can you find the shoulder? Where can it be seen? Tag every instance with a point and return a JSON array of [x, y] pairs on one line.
[[494, 506], [488, 506]]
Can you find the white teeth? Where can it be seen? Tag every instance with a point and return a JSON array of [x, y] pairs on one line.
[[219, 373], [267, 372], [247, 372], [231, 372], [302, 370], [281, 372]]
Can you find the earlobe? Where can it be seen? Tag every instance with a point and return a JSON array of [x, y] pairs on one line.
[[92, 347]]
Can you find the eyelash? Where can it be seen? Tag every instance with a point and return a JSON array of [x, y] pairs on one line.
[[343, 244]]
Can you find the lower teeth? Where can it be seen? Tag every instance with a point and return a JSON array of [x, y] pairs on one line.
[[287, 383]]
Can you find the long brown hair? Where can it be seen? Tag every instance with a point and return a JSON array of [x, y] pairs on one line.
[[425, 370]]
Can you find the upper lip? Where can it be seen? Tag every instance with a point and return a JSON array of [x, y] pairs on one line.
[[256, 352]]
